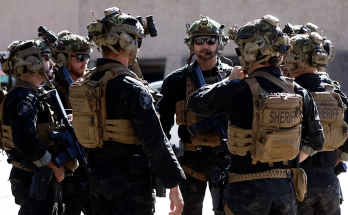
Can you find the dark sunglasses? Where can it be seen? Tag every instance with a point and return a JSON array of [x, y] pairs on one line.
[[82, 57], [210, 41], [238, 52]]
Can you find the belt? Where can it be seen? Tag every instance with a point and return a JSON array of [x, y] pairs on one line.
[[324, 169], [19, 166], [194, 173], [275, 173]]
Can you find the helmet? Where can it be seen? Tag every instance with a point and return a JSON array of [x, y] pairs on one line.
[[307, 51], [205, 27], [293, 30], [259, 40], [25, 54], [67, 44], [117, 28]]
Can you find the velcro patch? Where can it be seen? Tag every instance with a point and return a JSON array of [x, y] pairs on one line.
[[24, 108], [145, 100]]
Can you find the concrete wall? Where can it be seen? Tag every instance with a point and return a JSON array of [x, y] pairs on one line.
[[21, 18]]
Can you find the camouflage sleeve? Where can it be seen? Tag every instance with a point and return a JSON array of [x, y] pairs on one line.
[[312, 139], [23, 112], [166, 107], [213, 100], [148, 129]]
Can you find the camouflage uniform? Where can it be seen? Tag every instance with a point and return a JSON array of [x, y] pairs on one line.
[[202, 159], [74, 196], [323, 192], [258, 41]]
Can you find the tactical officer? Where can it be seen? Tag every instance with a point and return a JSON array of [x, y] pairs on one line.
[[73, 52], [26, 121], [311, 53], [266, 130], [114, 115], [202, 150], [293, 30]]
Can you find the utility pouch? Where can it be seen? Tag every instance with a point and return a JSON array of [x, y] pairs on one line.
[[136, 164], [299, 181], [40, 183]]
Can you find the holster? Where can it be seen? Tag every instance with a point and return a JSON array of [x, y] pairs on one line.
[[217, 178], [40, 183], [299, 181]]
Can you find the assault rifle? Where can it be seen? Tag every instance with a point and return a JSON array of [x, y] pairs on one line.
[[72, 148], [218, 123]]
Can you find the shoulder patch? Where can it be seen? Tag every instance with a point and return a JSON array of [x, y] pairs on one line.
[[24, 108], [145, 100]]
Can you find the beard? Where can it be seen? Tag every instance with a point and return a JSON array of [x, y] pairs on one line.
[[78, 72], [202, 54]]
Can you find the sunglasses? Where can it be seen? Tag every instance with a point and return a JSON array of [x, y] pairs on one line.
[[82, 57], [210, 41], [46, 57], [238, 52]]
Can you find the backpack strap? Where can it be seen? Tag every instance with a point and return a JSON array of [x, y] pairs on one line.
[[328, 87], [288, 88]]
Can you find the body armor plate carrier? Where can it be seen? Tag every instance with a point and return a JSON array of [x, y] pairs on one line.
[[88, 102], [276, 130], [331, 111]]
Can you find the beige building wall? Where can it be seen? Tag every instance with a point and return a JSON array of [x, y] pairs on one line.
[[21, 18]]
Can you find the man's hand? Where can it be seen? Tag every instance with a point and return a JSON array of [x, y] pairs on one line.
[[59, 173], [70, 118], [237, 73], [176, 201]]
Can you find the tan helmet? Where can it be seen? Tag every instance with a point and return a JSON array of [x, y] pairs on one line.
[[25, 58], [206, 27], [307, 51], [117, 28], [66, 45], [259, 40]]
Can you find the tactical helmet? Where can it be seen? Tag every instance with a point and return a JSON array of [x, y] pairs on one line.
[[67, 44], [307, 51], [205, 27], [292, 30], [25, 54], [117, 27], [259, 40]]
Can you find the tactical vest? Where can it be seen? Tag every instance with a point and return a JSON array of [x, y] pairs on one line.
[[207, 137], [331, 111], [87, 98], [276, 130], [43, 129]]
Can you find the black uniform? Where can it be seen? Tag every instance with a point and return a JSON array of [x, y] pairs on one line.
[[323, 196], [234, 99], [120, 179], [173, 91], [74, 195], [23, 110]]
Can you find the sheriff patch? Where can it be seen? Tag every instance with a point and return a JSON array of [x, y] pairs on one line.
[[24, 108], [145, 100]]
